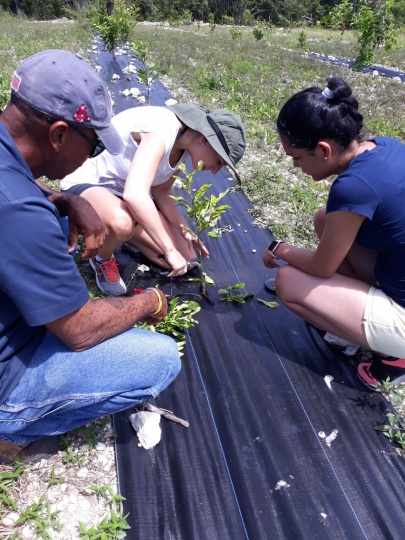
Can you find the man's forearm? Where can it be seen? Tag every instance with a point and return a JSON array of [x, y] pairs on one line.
[[104, 318], [60, 200]]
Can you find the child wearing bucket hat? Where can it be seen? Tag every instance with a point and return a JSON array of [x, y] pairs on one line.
[[131, 191]]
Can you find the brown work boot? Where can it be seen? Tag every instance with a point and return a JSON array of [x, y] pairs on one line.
[[28, 453]]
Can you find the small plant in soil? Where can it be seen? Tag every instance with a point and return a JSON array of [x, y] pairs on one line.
[[113, 526], [394, 428], [234, 294], [147, 74], [258, 34], [235, 33], [114, 28], [7, 484], [54, 479], [302, 40], [204, 211], [39, 516]]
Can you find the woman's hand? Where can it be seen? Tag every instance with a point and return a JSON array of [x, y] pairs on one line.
[[192, 242], [269, 260], [177, 262]]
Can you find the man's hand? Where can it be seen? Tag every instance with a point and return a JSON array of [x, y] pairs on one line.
[[107, 317], [83, 219]]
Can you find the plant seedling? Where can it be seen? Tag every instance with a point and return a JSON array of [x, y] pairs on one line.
[[53, 479], [7, 483], [39, 515], [73, 458], [111, 527], [106, 491], [258, 34], [394, 429], [233, 294], [147, 74], [114, 29], [204, 211]]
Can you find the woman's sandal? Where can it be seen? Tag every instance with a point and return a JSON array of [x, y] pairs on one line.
[[372, 373]]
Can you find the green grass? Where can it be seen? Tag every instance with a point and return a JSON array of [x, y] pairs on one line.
[[254, 78], [20, 38]]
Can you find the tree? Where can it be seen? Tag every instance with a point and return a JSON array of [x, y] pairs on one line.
[[342, 16], [115, 28], [374, 26]]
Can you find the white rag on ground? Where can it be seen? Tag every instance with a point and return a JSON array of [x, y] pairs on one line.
[[147, 427]]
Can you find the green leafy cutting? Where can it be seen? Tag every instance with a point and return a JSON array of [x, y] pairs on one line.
[[203, 210], [179, 317], [268, 304], [227, 293]]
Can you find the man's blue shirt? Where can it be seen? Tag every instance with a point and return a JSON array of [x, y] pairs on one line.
[[39, 281]]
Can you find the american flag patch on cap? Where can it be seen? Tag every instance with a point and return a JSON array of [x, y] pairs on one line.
[[15, 82]]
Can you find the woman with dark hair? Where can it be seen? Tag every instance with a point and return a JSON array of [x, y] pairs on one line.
[[353, 284]]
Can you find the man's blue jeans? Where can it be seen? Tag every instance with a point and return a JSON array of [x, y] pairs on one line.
[[62, 389]]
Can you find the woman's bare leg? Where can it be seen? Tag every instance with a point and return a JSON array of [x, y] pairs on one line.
[[142, 241], [333, 304], [113, 212]]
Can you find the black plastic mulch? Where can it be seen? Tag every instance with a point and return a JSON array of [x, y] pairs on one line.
[[253, 463]]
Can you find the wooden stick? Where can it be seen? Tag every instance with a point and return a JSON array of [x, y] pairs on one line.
[[165, 413]]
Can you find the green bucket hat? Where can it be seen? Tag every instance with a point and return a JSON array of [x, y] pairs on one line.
[[222, 129]]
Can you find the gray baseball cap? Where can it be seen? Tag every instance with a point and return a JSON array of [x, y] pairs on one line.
[[223, 129], [63, 85]]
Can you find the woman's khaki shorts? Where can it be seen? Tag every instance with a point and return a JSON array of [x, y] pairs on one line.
[[384, 324]]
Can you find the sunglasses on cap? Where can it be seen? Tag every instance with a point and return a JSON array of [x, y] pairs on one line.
[[98, 146]]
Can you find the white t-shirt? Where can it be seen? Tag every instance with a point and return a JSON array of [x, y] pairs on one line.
[[111, 171]]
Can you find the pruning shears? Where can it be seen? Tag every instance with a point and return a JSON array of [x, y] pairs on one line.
[[137, 291], [190, 265], [193, 264]]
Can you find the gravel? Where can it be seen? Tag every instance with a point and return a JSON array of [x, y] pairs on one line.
[[74, 470]]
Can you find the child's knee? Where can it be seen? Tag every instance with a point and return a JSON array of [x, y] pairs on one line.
[[122, 224], [284, 280]]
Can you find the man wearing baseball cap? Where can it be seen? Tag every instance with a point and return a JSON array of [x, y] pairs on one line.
[[64, 359]]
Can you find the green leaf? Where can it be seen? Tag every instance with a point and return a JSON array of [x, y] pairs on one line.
[[207, 279], [239, 286], [238, 299], [269, 304]]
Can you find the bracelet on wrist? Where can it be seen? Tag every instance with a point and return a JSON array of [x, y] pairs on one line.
[[273, 246], [160, 300]]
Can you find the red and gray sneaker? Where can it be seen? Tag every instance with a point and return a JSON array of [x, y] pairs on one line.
[[377, 371], [108, 277]]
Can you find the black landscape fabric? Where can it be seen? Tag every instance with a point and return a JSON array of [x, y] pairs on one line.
[[259, 460]]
